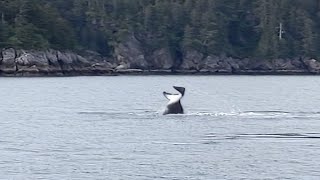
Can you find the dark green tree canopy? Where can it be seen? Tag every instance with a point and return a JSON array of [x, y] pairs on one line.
[[241, 28]]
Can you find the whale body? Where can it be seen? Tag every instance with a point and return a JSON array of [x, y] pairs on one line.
[[174, 105]]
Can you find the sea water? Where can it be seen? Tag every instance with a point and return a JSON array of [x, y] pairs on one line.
[[235, 127]]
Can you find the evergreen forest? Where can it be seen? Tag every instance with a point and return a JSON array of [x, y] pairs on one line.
[[238, 28]]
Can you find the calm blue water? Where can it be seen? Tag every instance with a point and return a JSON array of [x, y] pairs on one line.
[[235, 127]]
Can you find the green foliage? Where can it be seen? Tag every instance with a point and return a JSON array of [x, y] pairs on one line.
[[242, 28]]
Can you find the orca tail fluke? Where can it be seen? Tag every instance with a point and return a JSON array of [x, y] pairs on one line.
[[167, 95], [180, 89], [174, 106]]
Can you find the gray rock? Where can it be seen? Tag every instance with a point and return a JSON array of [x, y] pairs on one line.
[[66, 62], [240, 65], [8, 56], [130, 58], [290, 66], [122, 66], [192, 60], [52, 57], [130, 52], [8, 65], [161, 59], [32, 58], [312, 65], [284, 64], [32, 63], [32, 69], [216, 64], [82, 60], [50, 62], [65, 58], [234, 63], [260, 65], [103, 67], [124, 71]]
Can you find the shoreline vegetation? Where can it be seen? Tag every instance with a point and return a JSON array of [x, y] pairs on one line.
[[213, 37]]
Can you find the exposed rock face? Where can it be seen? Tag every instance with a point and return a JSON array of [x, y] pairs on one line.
[[129, 58], [216, 64], [130, 54], [195, 61], [51, 62], [161, 59], [191, 60], [8, 64], [312, 65], [31, 63], [290, 65]]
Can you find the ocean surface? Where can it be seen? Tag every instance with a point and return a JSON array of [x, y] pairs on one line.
[[235, 127]]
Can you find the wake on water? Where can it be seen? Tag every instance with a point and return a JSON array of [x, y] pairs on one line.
[[240, 114]]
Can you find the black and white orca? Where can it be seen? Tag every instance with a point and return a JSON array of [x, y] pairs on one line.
[[174, 104]]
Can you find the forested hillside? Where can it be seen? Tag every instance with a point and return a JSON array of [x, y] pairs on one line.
[[237, 28]]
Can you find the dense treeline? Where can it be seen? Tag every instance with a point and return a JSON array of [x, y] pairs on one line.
[[240, 28]]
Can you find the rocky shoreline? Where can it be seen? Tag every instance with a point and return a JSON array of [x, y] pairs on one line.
[[130, 59]]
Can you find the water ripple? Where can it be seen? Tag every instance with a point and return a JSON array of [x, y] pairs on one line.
[[213, 136]]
